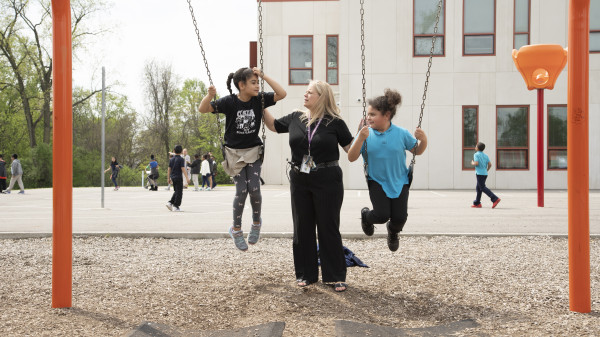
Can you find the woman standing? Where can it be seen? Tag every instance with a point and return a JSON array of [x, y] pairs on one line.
[[316, 185], [115, 167]]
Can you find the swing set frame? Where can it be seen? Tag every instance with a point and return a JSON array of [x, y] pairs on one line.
[[577, 135]]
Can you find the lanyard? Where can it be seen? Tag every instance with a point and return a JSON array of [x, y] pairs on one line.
[[310, 135]]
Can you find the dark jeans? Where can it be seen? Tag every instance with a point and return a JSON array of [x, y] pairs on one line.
[[316, 202], [2, 184], [385, 208], [113, 177], [482, 188], [177, 191], [214, 181], [205, 180]]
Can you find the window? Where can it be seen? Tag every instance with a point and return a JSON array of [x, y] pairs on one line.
[[557, 137], [425, 13], [595, 26], [332, 59], [301, 57], [469, 135], [521, 24], [479, 27], [512, 137]]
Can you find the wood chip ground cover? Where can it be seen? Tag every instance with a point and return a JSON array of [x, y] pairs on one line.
[[509, 285]]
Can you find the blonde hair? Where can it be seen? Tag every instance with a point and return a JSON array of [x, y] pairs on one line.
[[324, 106]]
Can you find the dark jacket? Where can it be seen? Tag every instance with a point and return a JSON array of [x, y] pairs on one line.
[[196, 164], [3, 169]]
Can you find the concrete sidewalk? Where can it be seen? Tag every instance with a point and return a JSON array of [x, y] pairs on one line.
[[138, 212]]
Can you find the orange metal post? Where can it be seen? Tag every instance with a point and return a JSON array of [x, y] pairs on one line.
[[578, 160], [62, 148]]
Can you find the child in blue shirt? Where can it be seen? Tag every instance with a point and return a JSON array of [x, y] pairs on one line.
[[383, 145], [482, 165]]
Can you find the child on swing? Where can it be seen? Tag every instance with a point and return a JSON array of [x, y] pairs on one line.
[[385, 145], [243, 148]]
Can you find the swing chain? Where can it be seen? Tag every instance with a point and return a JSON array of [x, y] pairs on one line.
[[362, 49], [364, 84], [433, 38], [262, 80], [207, 72]]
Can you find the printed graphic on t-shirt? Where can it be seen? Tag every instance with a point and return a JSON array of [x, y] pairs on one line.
[[245, 122]]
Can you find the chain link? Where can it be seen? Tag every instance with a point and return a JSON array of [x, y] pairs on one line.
[[207, 72], [364, 85], [433, 38], [262, 81]]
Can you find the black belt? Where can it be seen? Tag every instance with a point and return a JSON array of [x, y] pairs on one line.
[[334, 163]]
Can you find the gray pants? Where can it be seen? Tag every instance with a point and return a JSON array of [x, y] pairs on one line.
[[17, 178], [247, 182]]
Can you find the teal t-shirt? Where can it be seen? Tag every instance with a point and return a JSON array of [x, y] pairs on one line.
[[483, 161], [386, 153]]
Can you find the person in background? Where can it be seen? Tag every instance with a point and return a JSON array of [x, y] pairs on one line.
[[115, 167], [195, 166], [187, 160], [16, 175], [176, 175], [2, 174], [205, 171], [214, 171], [153, 176], [482, 165]]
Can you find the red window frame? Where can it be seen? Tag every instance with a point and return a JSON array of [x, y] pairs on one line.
[[493, 53], [337, 59], [515, 33], [442, 36], [312, 60], [470, 147], [526, 148], [548, 147]]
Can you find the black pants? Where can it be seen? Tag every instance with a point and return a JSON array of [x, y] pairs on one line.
[[385, 208], [2, 184], [316, 202], [177, 191], [482, 188]]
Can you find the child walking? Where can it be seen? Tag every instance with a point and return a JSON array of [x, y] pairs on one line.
[[115, 167], [482, 165], [175, 175], [383, 145], [205, 172], [243, 115]]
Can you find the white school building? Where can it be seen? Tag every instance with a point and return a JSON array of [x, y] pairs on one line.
[[475, 91]]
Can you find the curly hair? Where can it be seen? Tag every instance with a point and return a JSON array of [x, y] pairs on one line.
[[388, 102]]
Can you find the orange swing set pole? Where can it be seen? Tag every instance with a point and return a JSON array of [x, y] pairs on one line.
[[578, 156], [62, 158]]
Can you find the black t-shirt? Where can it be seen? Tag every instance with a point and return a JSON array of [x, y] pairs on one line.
[[176, 164], [324, 145], [242, 119]]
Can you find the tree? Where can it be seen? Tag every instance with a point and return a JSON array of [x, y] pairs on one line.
[[25, 44], [161, 95], [194, 129]]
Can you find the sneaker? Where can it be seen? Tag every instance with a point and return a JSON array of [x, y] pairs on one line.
[[238, 239], [169, 206], [496, 203], [23, 192], [254, 233], [392, 239], [176, 209], [476, 206], [367, 228], [6, 192]]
